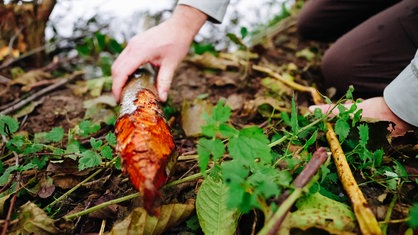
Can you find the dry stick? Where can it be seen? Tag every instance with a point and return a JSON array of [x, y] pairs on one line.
[[41, 92], [365, 217], [303, 181]]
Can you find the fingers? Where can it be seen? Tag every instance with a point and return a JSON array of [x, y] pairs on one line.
[[127, 62], [165, 76]]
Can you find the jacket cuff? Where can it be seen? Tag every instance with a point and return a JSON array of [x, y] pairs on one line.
[[401, 95], [215, 9]]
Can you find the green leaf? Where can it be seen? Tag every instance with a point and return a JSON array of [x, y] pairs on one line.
[[200, 48], [207, 148], [8, 125], [221, 112], [400, 170], [17, 144], [95, 143], [363, 134], [114, 46], [87, 128], [89, 159], [227, 131], [55, 135], [211, 208], [294, 117], [311, 140], [106, 152], [413, 216], [342, 129], [111, 139], [4, 178], [250, 144], [33, 148], [244, 32]]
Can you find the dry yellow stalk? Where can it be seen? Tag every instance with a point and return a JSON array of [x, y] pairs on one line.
[[365, 217]]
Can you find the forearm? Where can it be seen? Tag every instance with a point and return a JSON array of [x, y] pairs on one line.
[[189, 18], [402, 94], [214, 9]]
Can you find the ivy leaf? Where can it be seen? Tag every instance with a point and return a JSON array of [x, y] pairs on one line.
[[55, 135], [89, 159], [8, 125], [207, 148]]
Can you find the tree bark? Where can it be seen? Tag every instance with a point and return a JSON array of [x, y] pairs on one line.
[[22, 28]]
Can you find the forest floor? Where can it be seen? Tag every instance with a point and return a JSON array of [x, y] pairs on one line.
[[199, 83]]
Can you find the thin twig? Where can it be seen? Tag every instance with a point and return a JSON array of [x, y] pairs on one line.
[[302, 182], [41, 93], [13, 200]]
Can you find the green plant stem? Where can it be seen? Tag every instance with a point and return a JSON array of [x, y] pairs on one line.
[[285, 207], [281, 140], [78, 185], [102, 205], [185, 179], [384, 226]]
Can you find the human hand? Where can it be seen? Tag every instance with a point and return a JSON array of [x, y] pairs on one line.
[[164, 46], [375, 108]]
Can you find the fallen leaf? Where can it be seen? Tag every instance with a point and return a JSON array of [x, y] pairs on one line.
[[211, 208], [139, 222], [31, 77], [320, 212], [191, 116], [33, 220], [47, 187]]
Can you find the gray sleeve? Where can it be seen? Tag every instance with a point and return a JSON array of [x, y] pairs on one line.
[[215, 9], [401, 95]]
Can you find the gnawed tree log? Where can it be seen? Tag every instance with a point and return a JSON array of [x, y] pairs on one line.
[[22, 29]]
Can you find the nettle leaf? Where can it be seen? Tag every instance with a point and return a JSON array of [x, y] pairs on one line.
[[55, 135], [33, 148], [363, 134], [8, 125], [17, 144], [89, 159], [211, 208], [413, 216], [111, 139], [106, 152], [342, 129], [250, 144], [88, 127], [207, 148], [4, 178], [95, 143]]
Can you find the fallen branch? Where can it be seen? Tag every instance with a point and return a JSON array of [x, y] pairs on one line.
[[41, 93], [365, 217], [302, 183], [316, 96]]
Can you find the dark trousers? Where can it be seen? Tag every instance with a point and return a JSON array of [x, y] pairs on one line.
[[374, 41]]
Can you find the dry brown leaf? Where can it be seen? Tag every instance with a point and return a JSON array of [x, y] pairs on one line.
[[191, 116], [139, 222], [31, 77], [33, 220]]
